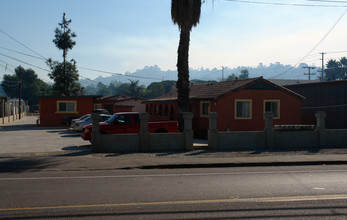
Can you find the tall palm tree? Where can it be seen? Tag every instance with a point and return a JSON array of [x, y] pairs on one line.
[[186, 14]]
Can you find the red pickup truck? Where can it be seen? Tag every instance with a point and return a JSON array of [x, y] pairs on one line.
[[129, 122]]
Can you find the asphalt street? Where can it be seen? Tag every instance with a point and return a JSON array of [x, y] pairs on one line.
[[50, 173]]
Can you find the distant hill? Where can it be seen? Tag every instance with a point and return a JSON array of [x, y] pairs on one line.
[[150, 74]]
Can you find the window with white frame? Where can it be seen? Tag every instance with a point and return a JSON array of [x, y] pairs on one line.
[[243, 109], [204, 108], [66, 106], [272, 106]]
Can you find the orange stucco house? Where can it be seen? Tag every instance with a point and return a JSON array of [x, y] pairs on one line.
[[57, 110], [240, 104]]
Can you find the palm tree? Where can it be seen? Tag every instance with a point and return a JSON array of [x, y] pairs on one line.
[[186, 14]]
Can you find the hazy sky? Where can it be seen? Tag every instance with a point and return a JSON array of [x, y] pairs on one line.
[[126, 35]]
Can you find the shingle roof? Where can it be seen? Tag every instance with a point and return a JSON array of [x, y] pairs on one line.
[[215, 90], [113, 98]]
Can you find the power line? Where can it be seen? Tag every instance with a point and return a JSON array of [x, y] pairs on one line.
[[24, 62], [119, 74], [21, 44], [287, 4], [325, 36], [328, 1], [23, 53]]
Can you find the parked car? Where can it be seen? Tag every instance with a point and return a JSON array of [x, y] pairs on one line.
[[101, 111], [72, 124], [78, 125], [129, 122]]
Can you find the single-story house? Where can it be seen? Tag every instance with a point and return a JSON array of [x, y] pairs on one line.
[[330, 97], [240, 104], [57, 110], [120, 103]]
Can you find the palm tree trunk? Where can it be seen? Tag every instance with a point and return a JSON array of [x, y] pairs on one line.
[[182, 84]]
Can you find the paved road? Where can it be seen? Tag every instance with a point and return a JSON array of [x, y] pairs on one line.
[[242, 193], [23, 136]]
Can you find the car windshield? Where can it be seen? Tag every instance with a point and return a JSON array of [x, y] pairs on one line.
[[112, 119]]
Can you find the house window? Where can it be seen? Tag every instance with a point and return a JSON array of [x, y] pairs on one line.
[[66, 107], [204, 108], [272, 106], [97, 106], [243, 109]]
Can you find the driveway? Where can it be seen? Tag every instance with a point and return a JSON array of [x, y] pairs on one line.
[[23, 136]]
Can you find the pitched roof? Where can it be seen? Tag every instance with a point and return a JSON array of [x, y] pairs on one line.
[[117, 98], [286, 82], [216, 90], [113, 98]]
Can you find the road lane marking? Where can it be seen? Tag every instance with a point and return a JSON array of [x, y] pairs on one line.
[[292, 198], [231, 199], [163, 175]]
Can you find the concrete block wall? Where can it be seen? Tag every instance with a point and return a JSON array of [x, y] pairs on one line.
[[336, 137], [272, 139], [119, 143], [251, 140], [294, 140], [143, 141]]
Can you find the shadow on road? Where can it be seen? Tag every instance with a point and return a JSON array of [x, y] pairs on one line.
[[20, 165]]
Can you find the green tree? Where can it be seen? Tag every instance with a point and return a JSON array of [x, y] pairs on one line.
[[102, 89], [154, 90], [65, 74], [244, 74], [134, 89], [32, 86], [336, 69], [231, 77], [186, 14]]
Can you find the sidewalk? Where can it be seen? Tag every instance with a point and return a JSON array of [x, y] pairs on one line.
[[83, 160]]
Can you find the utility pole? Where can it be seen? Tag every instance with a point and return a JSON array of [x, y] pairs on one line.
[[322, 73], [20, 91], [222, 73], [309, 71]]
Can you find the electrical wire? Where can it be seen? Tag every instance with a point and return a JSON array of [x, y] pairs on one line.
[[24, 62], [21, 44], [29, 55], [327, 1], [287, 4], [315, 47]]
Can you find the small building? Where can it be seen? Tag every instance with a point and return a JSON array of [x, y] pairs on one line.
[[240, 104], [58, 110], [330, 97], [120, 103]]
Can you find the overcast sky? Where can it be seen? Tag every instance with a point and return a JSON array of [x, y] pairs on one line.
[[126, 35]]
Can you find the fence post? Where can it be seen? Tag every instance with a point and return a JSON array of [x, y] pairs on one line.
[[145, 138], [213, 138], [188, 131], [320, 128], [3, 111], [96, 136], [269, 131]]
